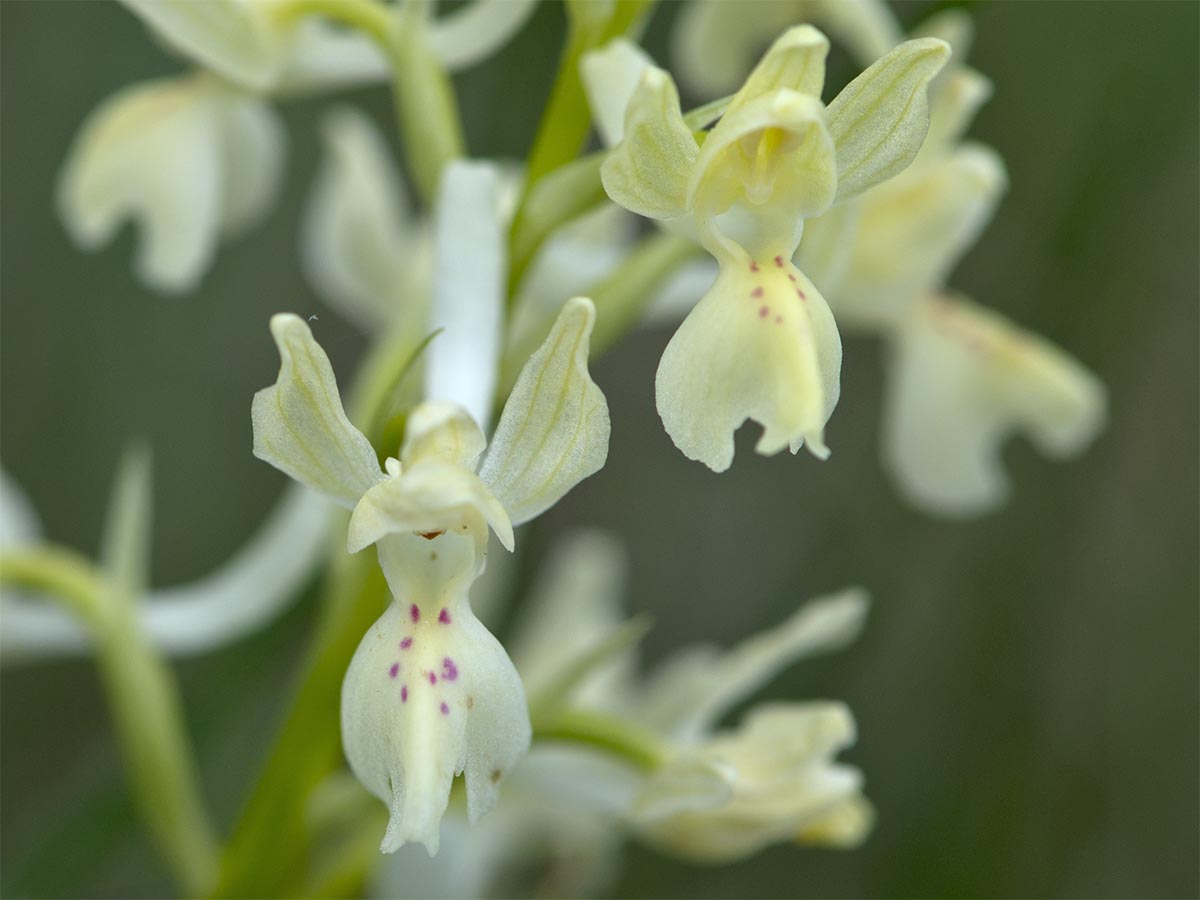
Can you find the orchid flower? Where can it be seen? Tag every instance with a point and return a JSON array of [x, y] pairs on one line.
[[430, 693], [961, 378], [762, 343]]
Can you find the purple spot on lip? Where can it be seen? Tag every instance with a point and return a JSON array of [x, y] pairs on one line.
[[444, 616], [394, 670], [445, 710], [406, 643], [757, 292], [404, 693], [432, 678], [414, 613], [449, 669]]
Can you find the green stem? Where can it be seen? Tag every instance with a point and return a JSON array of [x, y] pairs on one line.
[[426, 108], [146, 709], [270, 842], [609, 733]]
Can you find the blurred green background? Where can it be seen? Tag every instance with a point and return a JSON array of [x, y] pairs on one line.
[[1026, 690]]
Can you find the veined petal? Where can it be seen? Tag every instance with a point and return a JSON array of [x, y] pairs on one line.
[[647, 173], [234, 38], [880, 119], [911, 232], [152, 152], [780, 776], [762, 345], [321, 57], [470, 266], [429, 499], [475, 31], [554, 430], [963, 379], [610, 77], [360, 249], [696, 688], [775, 156], [299, 425], [796, 61], [427, 697]]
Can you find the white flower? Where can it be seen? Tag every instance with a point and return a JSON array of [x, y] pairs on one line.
[[961, 380], [761, 344], [189, 159], [430, 693]]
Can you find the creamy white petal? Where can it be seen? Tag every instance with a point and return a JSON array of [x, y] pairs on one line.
[[690, 693], [429, 498], [775, 158], [954, 98], [235, 38], [19, 521], [647, 173], [442, 431], [321, 57], [429, 695], [360, 248], [299, 425], [795, 61], [554, 430], [780, 777], [252, 156], [826, 247], [462, 363], [879, 120], [151, 153], [611, 76], [911, 232], [761, 345], [474, 31], [963, 380], [677, 295]]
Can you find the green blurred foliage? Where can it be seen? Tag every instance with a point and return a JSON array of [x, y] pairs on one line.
[[1026, 691]]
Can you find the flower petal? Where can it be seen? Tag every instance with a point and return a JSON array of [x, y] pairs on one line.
[[444, 432], [610, 77], [647, 173], [299, 425], [554, 430], [234, 38], [696, 688], [360, 249], [796, 61], [152, 153], [423, 701], [880, 119], [252, 154], [470, 267], [762, 345], [963, 379], [780, 776], [473, 32], [911, 232]]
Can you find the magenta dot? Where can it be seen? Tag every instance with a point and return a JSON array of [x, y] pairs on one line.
[[414, 613], [753, 266], [406, 643], [778, 319], [445, 710], [757, 292], [779, 261], [762, 312], [449, 669], [404, 693], [394, 670], [800, 294], [444, 616], [432, 678], [791, 277]]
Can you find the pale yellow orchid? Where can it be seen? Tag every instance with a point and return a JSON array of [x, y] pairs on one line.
[[430, 693], [761, 343]]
